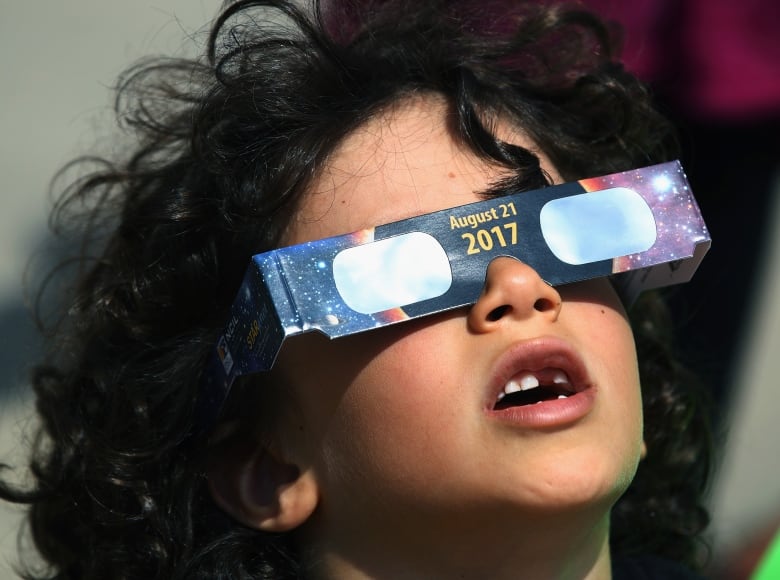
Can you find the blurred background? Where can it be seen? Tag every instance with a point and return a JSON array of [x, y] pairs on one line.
[[715, 68], [58, 62]]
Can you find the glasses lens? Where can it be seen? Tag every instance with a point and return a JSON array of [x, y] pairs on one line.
[[596, 226], [391, 273]]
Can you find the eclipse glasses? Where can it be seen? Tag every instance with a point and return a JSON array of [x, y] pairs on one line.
[[641, 227]]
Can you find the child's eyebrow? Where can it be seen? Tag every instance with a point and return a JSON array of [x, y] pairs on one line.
[[499, 189], [517, 181], [509, 186]]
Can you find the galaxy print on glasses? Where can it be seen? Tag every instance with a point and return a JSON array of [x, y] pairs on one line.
[[679, 228]]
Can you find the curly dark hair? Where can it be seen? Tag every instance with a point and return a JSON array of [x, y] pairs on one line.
[[225, 147]]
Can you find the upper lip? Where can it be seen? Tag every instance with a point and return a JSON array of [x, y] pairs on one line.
[[534, 355]]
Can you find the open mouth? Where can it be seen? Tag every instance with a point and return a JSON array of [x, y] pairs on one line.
[[533, 387]]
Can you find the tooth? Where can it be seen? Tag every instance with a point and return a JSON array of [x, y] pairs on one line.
[[560, 378], [528, 381], [562, 397], [501, 396], [512, 387]]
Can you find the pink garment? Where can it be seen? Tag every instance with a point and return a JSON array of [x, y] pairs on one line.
[[717, 58]]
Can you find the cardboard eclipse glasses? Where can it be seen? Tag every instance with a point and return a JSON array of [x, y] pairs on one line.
[[642, 227]]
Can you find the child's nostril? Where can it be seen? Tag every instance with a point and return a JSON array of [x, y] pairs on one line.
[[543, 305], [498, 313]]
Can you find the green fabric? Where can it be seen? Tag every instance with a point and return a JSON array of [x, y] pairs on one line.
[[769, 566]]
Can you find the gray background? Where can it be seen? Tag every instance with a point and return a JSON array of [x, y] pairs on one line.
[[57, 62]]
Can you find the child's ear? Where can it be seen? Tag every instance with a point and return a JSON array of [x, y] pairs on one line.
[[259, 488]]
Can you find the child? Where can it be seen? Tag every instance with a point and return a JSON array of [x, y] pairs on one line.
[[383, 454]]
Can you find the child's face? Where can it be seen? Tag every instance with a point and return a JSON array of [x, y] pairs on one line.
[[399, 425]]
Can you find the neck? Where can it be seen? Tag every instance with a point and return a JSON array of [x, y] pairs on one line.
[[544, 548]]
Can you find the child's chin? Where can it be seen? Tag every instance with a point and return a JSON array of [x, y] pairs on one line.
[[564, 488]]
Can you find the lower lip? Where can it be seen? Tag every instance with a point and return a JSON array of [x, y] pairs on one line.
[[549, 414]]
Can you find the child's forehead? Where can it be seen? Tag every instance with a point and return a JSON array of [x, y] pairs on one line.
[[402, 163]]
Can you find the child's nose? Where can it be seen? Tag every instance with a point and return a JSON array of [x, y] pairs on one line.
[[513, 292]]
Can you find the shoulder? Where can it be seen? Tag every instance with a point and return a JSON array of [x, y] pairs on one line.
[[650, 568]]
